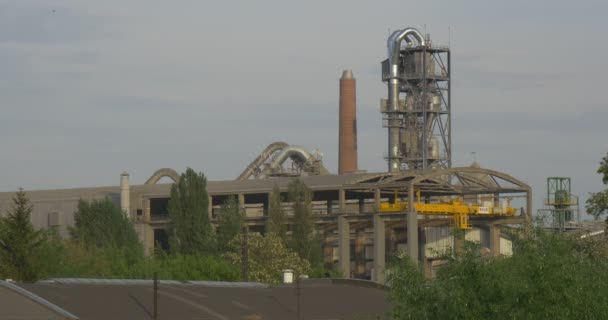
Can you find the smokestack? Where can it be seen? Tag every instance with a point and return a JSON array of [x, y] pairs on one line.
[[347, 157], [125, 203]]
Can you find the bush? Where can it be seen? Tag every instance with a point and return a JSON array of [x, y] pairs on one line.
[[549, 276]]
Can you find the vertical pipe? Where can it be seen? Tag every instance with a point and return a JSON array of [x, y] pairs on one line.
[[125, 205], [412, 226], [449, 151], [347, 148], [425, 102], [393, 121]]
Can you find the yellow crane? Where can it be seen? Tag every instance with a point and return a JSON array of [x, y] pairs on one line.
[[453, 207]]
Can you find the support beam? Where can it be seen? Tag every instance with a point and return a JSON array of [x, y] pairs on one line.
[[377, 199], [359, 254], [361, 205], [342, 200], [412, 226], [344, 246], [242, 203], [379, 249], [210, 207], [494, 230]]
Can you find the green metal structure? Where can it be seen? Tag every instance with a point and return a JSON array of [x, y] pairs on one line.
[[563, 210]]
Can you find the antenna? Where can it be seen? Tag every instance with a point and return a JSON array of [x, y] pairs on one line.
[[449, 36]]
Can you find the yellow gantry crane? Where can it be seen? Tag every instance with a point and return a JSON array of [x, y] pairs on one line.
[[453, 207]]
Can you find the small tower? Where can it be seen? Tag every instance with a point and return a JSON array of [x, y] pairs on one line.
[[561, 210]]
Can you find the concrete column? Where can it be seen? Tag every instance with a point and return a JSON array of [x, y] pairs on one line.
[[377, 199], [412, 226], [458, 240], [359, 253], [379, 249], [242, 202], [344, 246], [146, 209], [527, 214], [342, 200], [210, 207], [328, 249], [329, 207], [494, 239], [361, 205]]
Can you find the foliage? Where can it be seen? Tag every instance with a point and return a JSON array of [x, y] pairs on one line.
[[597, 203], [230, 223], [267, 257], [603, 169], [277, 221], [304, 240], [190, 230], [101, 223], [549, 276], [19, 242]]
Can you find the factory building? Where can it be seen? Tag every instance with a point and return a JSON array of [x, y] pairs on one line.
[[363, 217]]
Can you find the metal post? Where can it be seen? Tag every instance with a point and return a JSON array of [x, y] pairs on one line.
[[155, 295], [298, 293]]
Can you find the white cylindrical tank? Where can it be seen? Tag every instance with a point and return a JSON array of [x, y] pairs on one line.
[[435, 102], [125, 203], [434, 148], [287, 276]]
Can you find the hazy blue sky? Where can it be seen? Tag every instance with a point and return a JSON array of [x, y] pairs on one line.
[[92, 88]]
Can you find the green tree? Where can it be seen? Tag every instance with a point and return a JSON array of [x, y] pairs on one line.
[[305, 240], [549, 276], [267, 257], [230, 222], [597, 203], [19, 241], [277, 222], [102, 224], [190, 230]]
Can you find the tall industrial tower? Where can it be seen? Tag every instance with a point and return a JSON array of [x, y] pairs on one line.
[[417, 112]]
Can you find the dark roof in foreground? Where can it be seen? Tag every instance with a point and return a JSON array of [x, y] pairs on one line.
[[117, 299], [17, 303]]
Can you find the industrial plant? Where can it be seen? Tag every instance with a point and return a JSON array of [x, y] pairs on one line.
[[364, 217]]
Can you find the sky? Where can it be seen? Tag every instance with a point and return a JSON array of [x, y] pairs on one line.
[[93, 88]]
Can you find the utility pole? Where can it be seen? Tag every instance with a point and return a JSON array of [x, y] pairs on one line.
[[155, 295]]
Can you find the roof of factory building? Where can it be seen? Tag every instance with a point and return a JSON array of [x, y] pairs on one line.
[[124, 299], [321, 182]]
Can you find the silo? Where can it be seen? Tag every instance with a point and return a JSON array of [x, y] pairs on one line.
[[347, 150]]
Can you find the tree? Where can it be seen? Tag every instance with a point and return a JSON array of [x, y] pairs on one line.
[[304, 240], [267, 257], [549, 276], [102, 224], [190, 230], [230, 222], [19, 241], [277, 222], [597, 203]]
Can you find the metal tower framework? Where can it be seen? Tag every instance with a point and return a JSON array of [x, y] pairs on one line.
[[564, 206], [417, 112]]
